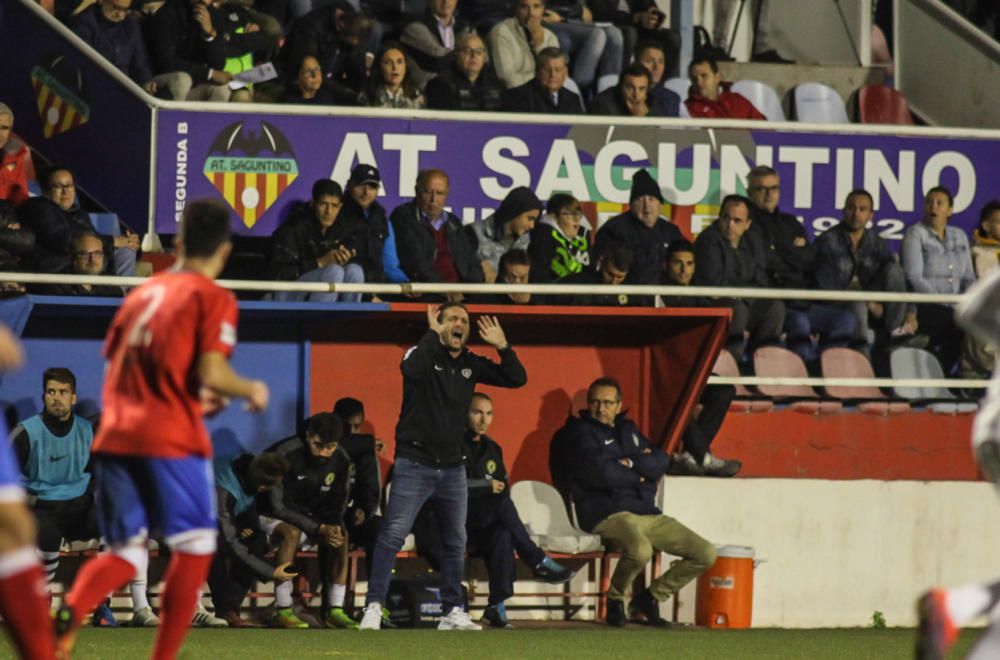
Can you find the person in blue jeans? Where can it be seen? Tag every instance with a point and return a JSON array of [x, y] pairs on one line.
[[439, 378]]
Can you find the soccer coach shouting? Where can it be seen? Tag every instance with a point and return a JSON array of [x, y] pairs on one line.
[[439, 378]]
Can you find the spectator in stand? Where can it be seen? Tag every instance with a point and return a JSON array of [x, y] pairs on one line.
[[611, 472], [546, 93], [507, 229], [514, 268], [433, 245], [391, 84], [595, 50], [640, 21], [339, 37], [56, 216], [367, 231], [978, 358], [361, 520], [612, 268], [630, 97], [308, 88], [728, 257], [186, 36], [695, 459], [561, 244], [516, 42], [247, 43], [710, 97], [14, 157], [850, 256], [790, 260], [312, 246], [470, 83], [432, 39], [16, 242], [86, 258], [239, 561], [109, 29], [484, 14], [642, 230], [937, 259], [652, 55]]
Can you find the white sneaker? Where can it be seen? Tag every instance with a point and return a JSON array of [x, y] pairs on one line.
[[372, 620], [458, 619], [205, 619], [145, 618]]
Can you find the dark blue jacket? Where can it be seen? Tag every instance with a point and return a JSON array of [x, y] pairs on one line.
[[585, 457], [120, 43], [836, 265]]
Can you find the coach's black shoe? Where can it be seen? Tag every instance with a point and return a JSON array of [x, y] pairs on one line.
[[552, 572], [647, 609], [616, 613]]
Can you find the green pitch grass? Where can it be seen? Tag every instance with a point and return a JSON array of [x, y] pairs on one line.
[[577, 642]]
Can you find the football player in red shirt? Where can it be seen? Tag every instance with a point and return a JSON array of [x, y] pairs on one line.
[[167, 350]]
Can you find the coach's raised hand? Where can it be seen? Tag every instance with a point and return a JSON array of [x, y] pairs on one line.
[[491, 332]]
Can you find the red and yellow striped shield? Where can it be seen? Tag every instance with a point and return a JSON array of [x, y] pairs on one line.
[[59, 108], [250, 185]]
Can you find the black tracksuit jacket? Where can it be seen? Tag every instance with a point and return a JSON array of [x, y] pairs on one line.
[[314, 491], [483, 465], [437, 391]]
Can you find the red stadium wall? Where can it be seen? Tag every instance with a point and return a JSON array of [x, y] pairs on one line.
[[851, 445], [661, 358]]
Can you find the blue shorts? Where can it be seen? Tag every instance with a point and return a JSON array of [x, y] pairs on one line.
[[140, 496]]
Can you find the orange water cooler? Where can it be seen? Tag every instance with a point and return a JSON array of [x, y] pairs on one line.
[[725, 591]]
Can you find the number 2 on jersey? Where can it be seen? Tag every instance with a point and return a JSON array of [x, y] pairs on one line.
[[140, 335]]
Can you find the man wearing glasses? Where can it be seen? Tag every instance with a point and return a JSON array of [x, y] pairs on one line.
[[108, 28], [470, 84], [56, 216], [611, 471], [86, 258]]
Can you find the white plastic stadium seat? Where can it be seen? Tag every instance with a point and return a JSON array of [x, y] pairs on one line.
[[607, 82], [763, 97], [571, 85], [680, 86], [816, 103], [541, 508], [906, 362]]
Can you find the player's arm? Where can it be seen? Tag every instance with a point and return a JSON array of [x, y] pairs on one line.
[[231, 537], [281, 511], [216, 374], [22, 445]]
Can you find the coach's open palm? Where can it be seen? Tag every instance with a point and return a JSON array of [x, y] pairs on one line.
[[491, 332]]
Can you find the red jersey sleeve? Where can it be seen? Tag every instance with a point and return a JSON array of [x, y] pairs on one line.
[[218, 325]]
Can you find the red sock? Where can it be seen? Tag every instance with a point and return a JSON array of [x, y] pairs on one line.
[[24, 606], [97, 579], [181, 587]]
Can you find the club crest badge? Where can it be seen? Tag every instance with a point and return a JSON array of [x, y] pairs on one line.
[[59, 96], [251, 168]]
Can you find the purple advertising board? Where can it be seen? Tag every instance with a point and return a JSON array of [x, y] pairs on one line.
[[262, 163]]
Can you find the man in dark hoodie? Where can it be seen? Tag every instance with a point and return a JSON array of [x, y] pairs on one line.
[[361, 520], [366, 230], [242, 543], [507, 229], [439, 378], [642, 230], [611, 472]]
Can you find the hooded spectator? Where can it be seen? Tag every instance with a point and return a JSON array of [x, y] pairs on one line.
[[507, 229]]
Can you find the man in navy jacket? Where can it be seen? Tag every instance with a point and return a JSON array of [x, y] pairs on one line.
[[611, 471]]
